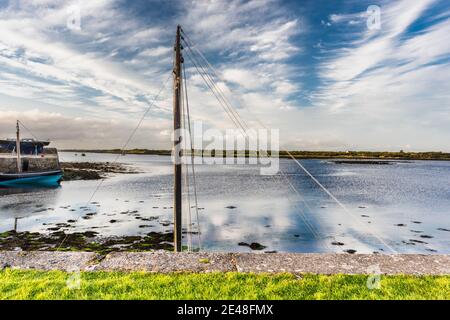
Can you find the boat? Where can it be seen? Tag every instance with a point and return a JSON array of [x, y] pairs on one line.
[[28, 162]]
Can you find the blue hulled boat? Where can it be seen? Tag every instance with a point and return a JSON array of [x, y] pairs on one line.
[[28, 162]]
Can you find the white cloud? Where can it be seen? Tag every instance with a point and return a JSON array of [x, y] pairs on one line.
[[386, 86], [82, 132], [156, 52], [381, 89]]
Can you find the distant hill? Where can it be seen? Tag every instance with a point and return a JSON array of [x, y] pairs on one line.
[[401, 155]]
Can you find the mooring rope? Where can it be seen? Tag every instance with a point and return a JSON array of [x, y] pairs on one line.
[[150, 106]]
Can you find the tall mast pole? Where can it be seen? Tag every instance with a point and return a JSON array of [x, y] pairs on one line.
[[19, 162], [176, 127]]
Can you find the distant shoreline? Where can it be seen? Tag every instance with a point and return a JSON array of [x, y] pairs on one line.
[[350, 155]]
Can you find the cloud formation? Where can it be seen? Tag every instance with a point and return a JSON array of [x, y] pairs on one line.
[[318, 74]]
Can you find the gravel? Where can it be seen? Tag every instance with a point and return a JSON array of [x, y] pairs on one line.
[[166, 262]]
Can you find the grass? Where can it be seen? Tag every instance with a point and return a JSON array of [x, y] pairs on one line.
[[27, 284]]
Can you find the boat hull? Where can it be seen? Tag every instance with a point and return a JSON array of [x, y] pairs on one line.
[[49, 178]]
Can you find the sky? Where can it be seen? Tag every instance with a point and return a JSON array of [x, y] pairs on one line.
[[330, 75]]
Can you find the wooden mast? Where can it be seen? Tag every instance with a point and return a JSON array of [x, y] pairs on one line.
[[176, 127], [19, 162]]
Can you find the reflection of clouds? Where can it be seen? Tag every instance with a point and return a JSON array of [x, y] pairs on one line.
[[259, 201], [23, 201], [248, 219]]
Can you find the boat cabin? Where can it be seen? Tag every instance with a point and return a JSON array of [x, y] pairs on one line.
[[27, 146], [34, 156]]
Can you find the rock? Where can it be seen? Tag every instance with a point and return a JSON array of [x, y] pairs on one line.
[[257, 246], [418, 241], [3, 266], [253, 245], [90, 234]]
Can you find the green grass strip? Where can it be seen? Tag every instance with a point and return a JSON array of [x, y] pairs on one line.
[[23, 284]]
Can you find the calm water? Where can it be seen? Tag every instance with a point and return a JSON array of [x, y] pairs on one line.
[[403, 207]]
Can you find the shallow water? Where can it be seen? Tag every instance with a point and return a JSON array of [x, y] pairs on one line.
[[403, 207]]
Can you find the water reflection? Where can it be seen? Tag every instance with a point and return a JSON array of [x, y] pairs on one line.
[[401, 206]]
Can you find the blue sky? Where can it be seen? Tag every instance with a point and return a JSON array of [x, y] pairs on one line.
[[313, 69]]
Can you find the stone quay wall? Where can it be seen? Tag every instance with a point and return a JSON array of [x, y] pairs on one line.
[[47, 161]]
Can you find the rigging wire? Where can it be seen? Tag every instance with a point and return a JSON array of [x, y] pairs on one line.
[[29, 131], [37, 139], [186, 174], [217, 96], [150, 106], [295, 160], [192, 152], [234, 112], [240, 124]]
